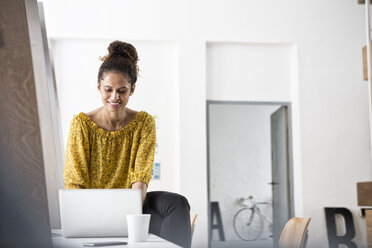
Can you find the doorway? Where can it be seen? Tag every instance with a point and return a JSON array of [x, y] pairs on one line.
[[249, 167]]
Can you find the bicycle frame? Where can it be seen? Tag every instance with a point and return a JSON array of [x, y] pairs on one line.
[[254, 209]]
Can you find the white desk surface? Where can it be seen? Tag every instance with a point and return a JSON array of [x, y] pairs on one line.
[[152, 241]]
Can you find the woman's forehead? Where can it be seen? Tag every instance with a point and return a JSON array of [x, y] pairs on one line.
[[112, 79], [111, 75], [111, 86]]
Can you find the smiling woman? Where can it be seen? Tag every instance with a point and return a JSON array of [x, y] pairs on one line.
[[113, 147]]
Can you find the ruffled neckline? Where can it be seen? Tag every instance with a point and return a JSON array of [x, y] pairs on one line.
[[132, 124]]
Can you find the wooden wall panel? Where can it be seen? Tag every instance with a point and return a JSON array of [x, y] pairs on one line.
[[363, 1], [24, 217], [365, 66], [369, 228], [364, 192]]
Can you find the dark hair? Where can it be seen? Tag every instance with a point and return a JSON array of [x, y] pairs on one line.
[[122, 58]]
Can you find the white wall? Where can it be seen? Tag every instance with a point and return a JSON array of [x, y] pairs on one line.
[[240, 160], [254, 71], [328, 94]]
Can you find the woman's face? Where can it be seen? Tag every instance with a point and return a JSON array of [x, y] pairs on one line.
[[115, 91]]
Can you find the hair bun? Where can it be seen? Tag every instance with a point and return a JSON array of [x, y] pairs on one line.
[[119, 48]]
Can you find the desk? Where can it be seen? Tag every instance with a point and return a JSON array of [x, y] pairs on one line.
[[152, 241]]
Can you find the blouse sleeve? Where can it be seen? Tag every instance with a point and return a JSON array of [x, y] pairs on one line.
[[76, 172], [145, 154]]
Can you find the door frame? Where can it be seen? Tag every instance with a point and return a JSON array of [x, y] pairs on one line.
[[290, 151]]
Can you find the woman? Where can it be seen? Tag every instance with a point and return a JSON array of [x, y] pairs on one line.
[[113, 147]]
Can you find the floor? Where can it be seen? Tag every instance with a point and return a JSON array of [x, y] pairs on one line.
[[264, 243]]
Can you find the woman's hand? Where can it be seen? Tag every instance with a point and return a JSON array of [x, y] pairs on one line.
[[143, 187]]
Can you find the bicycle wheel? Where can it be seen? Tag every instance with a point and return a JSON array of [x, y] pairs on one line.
[[245, 230]]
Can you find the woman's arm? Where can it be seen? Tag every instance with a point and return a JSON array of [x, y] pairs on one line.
[[140, 175], [143, 187], [76, 172]]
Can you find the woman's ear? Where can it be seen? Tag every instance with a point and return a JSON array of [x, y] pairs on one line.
[[98, 86], [132, 88]]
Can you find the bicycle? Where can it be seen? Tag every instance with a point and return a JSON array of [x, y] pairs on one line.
[[249, 221]]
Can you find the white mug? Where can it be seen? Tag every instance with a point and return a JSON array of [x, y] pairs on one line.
[[138, 227]]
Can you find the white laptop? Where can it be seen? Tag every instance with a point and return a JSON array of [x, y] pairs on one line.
[[98, 212]]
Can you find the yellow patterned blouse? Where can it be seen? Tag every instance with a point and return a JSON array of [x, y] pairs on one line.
[[96, 158]]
